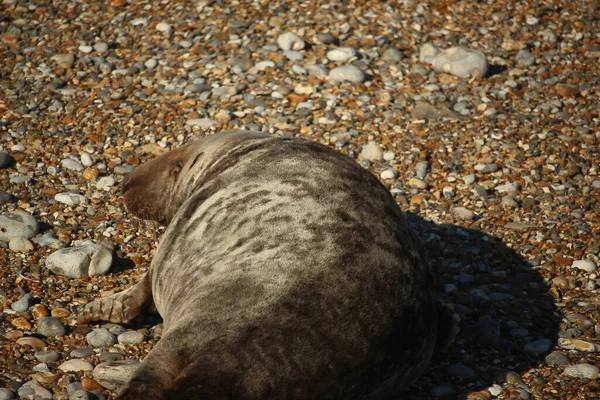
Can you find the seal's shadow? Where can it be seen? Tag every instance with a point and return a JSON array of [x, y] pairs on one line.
[[503, 304]]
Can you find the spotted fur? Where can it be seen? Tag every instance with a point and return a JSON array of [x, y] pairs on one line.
[[286, 272]]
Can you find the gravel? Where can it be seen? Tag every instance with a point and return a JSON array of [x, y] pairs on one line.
[[497, 171]]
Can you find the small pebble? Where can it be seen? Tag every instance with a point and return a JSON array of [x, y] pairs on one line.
[[461, 62], [557, 358], [164, 27], [463, 213], [539, 346], [371, 152], [290, 41], [75, 365], [347, 73], [131, 337], [341, 54], [50, 326], [584, 265], [47, 356], [23, 303], [388, 174]]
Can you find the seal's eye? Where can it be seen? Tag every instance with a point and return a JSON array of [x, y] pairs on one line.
[[178, 166]]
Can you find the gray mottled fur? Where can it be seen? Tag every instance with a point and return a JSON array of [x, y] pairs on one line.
[[286, 272]]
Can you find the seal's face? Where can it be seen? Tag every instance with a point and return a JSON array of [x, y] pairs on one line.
[[150, 189]]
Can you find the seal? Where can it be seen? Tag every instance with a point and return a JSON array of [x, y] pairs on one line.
[[286, 271]]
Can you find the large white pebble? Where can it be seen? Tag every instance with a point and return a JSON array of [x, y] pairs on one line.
[[17, 224], [428, 52], [80, 262], [76, 365], [584, 370], [290, 41], [341, 54], [371, 152], [114, 374], [347, 73], [585, 265], [461, 62]]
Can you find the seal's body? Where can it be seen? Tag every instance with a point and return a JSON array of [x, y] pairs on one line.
[[286, 272]]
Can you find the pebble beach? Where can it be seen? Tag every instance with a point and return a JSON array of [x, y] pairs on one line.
[[482, 119]]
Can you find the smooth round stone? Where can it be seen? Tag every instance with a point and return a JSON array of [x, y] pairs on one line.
[[47, 356], [112, 375], [262, 65], [81, 395], [585, 265], [5, 197], [42, 367], [421, 169], [50, 326], [65, 60], [86, 159], [557, 358], [582, 371], [347, 73], [100, 337], [131, 337], [115, 329], [427, 53], [197, 87], [164, 27], [81, 353], [109, 356], [70, 198], [525, 58], [151, 63], [31, 341], [5, 159], [341, 54], [326, 38], [80, 261], [318, 70], [106, 182], [371, 152], [290, 41], [469, 179], [101, 47], [388, 174], [72, 164], [6, 394], [392, 55], [33, 390], [293, 55], [17, 224], [461, 62], [463, 213], [539, 346], [76, 365], [23, 303], [20, 244], [86, 49], [389, 156]]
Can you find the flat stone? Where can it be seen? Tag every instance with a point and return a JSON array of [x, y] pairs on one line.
[[33, 390], [348, 73], [47, 356], [585, 265], [461, 62], [23, 303], [81, 261], [131, 337], [582, 371], [70, 198], [100, 337], [463, 213], [341, 54], [75, 365], [578, 344], [31, 341], [50, 326], [114, 374], [557, 358]]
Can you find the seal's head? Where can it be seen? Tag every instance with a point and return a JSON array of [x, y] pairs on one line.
[[150, 188], [156, 189]]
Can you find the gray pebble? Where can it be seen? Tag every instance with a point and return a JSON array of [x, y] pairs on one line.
[[486, 168], [74, 387], [23, 303], [392, 55], [101, 47], [81, 261], [81, 353], [318, 70], [421, 169], [197, 88], [5, 159], [5, 197], [70, 198], [100, 337], [539, 346], [131, 337], [347, 73], [72, 164], [525, 58], [115, 329], [326, 38], [47, 356], [463, 213], [557, 358], [293, 55], [49, 239], [109, 356], [81, 395], [372, 152], [17, 224], [50, 326], [114, 374], [6, 394], [584, 370], [33, 390]]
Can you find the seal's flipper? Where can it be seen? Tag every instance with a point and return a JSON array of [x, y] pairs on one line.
[[120, 307]]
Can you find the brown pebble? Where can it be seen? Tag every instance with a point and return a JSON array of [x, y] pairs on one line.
[[39, 311], [91, 173], [567, 90], [18, 157], [32, 341], [60, 312], [11, 335], [90, 384], [48, 191], [482, 395], [21, 323]]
